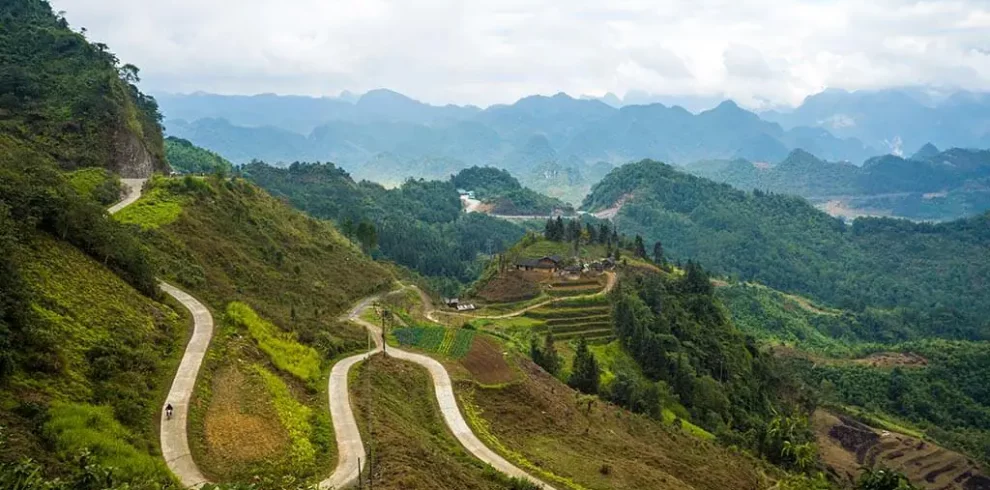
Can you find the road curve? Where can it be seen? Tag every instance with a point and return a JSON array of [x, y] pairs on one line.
[[174, 437], [350, 448], [349, 442]]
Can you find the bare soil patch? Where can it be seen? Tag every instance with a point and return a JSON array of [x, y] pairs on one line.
[[510, 286], [241, 425], [893, 359], [486, 362]]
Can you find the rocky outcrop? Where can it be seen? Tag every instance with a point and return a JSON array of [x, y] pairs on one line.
[[131, 158]]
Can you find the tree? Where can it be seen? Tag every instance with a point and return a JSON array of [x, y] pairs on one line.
[[585, 373], [604, 232], [883, 479], [367, 235], [546, 357], [696, 280], [591, 232], [658, 257], [640, 248]]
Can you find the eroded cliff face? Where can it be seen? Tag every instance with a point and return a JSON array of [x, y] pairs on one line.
[[131, 158]]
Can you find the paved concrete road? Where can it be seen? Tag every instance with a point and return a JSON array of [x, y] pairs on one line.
[[349, 444], [132, 189], [174, 438]]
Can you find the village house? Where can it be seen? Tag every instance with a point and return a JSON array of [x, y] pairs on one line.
[[547, 263]]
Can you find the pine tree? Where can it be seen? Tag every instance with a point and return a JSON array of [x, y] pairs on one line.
[[585, 373], [604, 233], [592, 233], [640, 248], [658, 253]]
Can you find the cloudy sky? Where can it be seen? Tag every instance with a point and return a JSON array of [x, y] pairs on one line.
[[759, 52]]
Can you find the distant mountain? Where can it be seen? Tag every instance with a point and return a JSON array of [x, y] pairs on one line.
[[532, 130], [895, 119], [929, 185]]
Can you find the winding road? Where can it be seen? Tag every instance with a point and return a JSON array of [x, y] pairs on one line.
[[350, 448]]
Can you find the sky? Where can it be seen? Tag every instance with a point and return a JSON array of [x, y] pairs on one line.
[[760, 53]]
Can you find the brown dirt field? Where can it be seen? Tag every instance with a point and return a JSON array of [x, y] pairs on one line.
[[486, 362], [241, 425], [845, 445], [509, 286], [552, 427]]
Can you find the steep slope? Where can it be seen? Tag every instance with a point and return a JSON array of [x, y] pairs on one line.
[[934, 274], [503, 194], [73, 99]]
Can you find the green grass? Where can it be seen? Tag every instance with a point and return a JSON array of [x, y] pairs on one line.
[[78, 427], [565, 249], [283, 350], [294, 416], [155, 209], [96, 183]]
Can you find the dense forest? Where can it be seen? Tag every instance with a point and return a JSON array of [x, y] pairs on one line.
[[185, 157], [419, 225], [499, 189], [931, 277]]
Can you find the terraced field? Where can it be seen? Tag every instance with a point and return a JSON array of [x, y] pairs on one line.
[[580, 287], [846, 445], [588, 318], [451, 342]]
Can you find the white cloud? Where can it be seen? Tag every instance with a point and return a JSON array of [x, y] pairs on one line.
[[758, 52]]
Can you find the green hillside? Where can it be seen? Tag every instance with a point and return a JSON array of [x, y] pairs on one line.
[[73, 99], [930, 277], [419, 225], [187, 158]]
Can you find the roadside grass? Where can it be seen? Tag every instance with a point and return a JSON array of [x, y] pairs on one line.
[[411, 447], [282, 348], [295, 417], [78, 427], [155, 209], [97, 183]]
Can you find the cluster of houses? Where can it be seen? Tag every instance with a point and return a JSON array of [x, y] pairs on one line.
[[554, 265], [457, 305]]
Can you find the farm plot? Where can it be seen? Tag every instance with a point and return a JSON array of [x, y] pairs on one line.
[[454, 343]]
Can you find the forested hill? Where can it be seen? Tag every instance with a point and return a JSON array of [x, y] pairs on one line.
[[930, 184], [72, 99], [419, 225], [931, 279], [504, 194]]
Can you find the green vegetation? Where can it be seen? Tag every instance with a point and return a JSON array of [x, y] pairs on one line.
[[931, 185], [294, 416], [410, 446], [419, 225], [284, 351], [234, 242], [68, 98], [928, 278], [185, 157], [98, 184], [498, 188], [155, 209], [453, 343]]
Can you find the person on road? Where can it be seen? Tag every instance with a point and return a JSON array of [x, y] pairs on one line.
[[168, 411]]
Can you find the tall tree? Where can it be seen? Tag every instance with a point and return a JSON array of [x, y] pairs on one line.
[[658, 257], [591, 232], [640, 248], [585, 372], [604, 232]]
